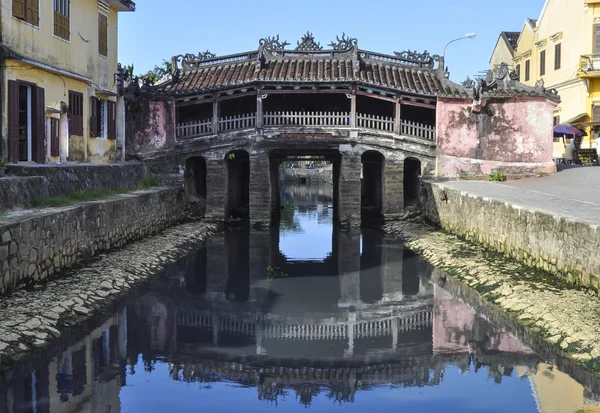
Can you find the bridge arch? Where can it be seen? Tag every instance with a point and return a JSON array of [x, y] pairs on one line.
[[373, 163], [238, 183], [195, 183], [412, 181]]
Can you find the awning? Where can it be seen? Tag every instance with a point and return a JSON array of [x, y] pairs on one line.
[[588, 124], [577, 119], [105, 93]]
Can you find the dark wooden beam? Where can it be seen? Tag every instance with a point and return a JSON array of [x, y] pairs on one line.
[[305, 91], [236, 95], [375, 96]]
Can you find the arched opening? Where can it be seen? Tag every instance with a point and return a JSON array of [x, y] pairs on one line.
[[412, 178], [371, 267], [195, 184], [237, 252], [372, 184], [238, 184], [195, 271]]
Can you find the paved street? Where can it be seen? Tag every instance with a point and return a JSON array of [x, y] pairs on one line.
[[572, 193]]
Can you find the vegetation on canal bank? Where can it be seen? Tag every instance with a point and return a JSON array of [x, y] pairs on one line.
[[79, 196]]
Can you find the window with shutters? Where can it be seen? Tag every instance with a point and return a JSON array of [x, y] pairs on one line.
[[102, 118], [75, 113], [102, 34], [556, 121], [27, 10], [557, 56], [518, 70], [542, 63], [597, 39], [61, 19], [527, 70], [596, 114]]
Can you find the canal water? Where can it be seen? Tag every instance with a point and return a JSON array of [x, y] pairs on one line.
[[303, 316]]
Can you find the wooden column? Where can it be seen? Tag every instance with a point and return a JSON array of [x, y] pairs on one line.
[[259, 110], [353, 108], [397, 118], [215, 122]]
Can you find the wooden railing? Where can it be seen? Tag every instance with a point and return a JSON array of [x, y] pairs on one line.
[[367, 121], [194, 128], [417, 129], [235, 122], [293, 118], [314, 119]]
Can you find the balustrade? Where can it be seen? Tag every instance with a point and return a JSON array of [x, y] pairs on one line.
[[305, 119]]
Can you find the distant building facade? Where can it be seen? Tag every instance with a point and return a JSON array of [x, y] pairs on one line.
[[561, 50], [59, 99]]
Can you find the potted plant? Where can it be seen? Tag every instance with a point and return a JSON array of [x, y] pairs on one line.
[[2, 166]]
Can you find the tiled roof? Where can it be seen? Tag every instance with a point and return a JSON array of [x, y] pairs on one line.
[[420, 81]]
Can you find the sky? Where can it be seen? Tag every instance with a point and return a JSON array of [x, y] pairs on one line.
[[159, 29]]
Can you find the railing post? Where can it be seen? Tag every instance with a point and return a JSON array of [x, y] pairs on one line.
[[353, 107], [259, 110], [215, 119], [397, 119]]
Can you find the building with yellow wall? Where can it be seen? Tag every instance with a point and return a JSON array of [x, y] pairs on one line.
[[60, 98], [562, 50]]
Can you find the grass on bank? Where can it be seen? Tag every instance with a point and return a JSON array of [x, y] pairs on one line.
[[79, 196]]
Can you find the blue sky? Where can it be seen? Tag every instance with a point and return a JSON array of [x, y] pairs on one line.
[[160, 29]]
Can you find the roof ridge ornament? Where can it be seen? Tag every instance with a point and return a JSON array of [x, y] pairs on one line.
[[345, 43], [424, 59], [308, 43], [273, 43]]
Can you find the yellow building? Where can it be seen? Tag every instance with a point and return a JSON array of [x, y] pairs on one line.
[[60, 99], [562, 50]]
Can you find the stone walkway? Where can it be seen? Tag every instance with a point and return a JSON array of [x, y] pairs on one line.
[[572, 193], [31, 319]]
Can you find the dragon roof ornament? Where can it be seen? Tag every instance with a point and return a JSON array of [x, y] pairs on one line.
[[345, 43], [273, 43], [308, 43]]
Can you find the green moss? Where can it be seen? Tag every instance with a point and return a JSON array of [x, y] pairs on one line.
[[76, 197], [149, 182]]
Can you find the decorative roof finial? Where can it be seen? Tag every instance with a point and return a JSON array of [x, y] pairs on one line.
[[345, 43], [308, 43], [273, 43]]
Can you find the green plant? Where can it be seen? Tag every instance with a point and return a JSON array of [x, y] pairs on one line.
[[274, 272], [232, 156], [150, 181], [76, 197], [463, 175], [497, 177], [2, 163]]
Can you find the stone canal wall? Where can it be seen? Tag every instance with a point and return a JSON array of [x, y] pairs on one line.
[[28, 182], [561, 246], [35, 245]]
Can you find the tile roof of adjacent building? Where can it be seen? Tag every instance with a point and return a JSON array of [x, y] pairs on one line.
[[511, 39]]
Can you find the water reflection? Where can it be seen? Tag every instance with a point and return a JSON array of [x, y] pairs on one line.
[[239, 326]]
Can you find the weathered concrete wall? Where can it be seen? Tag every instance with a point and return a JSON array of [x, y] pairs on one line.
[[561, 246], [150, 132], [34, 181], [511, 136], [36, 246]]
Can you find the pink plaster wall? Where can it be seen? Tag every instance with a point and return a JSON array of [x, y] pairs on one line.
[[513, 136], [153, 127], [455, 326]]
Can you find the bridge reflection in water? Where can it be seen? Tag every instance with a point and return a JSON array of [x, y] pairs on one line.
[[256, 310]]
